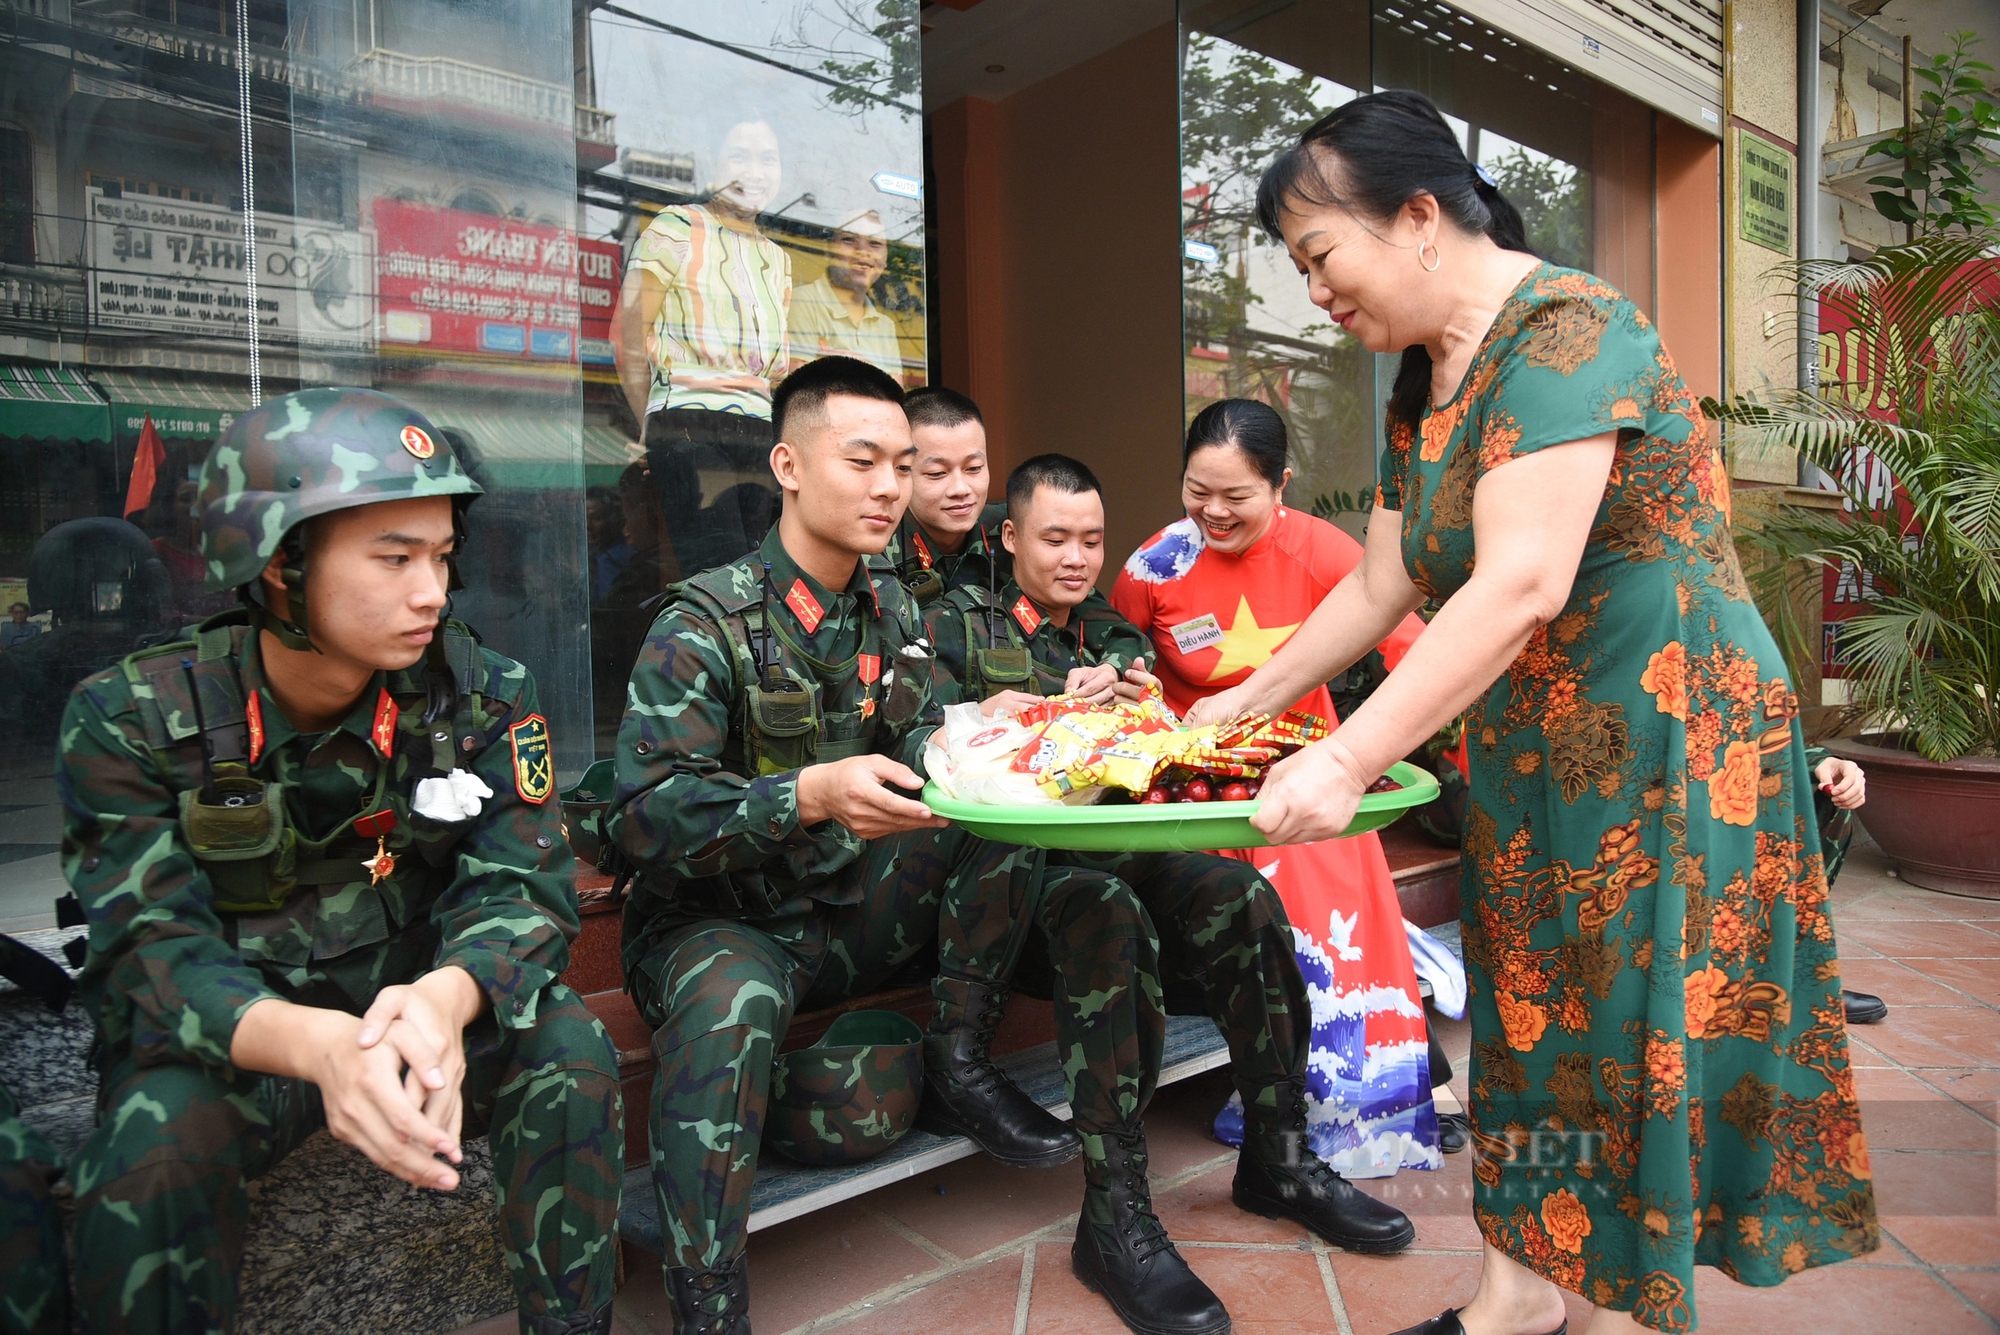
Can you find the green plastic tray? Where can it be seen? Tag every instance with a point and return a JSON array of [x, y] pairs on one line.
[[1174, 827]]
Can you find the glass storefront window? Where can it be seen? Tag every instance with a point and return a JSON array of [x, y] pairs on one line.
[[585, 240], [1573, 154], [765, 200]]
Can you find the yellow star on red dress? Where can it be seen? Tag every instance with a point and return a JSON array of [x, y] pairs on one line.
[[1248, 645]]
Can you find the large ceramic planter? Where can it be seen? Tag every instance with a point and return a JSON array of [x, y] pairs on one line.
[[1940, 824]]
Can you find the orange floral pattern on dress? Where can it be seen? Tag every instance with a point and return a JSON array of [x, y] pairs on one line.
[[1732, 792], [1639, 802], [1666, 677], [1566, 1219], [1524, 1020]]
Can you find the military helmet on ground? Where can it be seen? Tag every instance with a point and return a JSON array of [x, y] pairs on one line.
[[849, 1096], [307, 454]]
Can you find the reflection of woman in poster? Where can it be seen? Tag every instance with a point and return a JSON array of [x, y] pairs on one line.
[[701, 336]]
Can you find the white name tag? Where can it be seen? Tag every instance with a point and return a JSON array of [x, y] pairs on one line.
[[1199, 633]]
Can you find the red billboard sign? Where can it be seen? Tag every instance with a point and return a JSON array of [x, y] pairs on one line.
[[1850, 369], [452, 281]]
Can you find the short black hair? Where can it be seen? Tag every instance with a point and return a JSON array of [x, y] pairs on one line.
[[934, 405], [806, 390], [1056, 471]]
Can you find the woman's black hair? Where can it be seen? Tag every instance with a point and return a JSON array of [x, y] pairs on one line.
[[1371, 156], [1252, 427]]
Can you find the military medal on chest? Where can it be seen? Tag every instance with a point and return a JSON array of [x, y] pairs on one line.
[[377, 826], [870, 668]]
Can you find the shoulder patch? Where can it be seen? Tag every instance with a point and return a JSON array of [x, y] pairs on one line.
[[534, 776], [733, 588], [1169, 555]]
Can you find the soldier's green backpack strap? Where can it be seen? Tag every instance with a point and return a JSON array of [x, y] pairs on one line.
[[776, 712], [196, 714], [991, 667], [453, 717]]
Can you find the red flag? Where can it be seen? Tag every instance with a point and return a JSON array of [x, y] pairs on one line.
[[145, 469]]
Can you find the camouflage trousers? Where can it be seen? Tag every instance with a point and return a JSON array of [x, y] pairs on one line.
[[160, 1185], [1104, 959], [720, 994], [34, 1291], [1223, 934]]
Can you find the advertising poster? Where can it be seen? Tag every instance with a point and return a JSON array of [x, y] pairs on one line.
[[177, 267], [1850, 370], [459, 282]]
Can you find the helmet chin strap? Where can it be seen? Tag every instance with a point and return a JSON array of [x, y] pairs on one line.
[[288, 621]]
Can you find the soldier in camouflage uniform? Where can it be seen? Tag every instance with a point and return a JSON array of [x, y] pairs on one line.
[[34, 1290], [775, 701], [950, 537], [326, 886], [1222, 929]]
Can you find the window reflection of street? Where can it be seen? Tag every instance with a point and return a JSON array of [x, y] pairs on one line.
[[1253, 76]]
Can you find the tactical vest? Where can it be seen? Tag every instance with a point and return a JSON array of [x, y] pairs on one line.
[[779, 719], [194, 709], [1012, 667], [918, 570]]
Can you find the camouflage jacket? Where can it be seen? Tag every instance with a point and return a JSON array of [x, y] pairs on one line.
[[971, 619], [708, 825], [914, 559], [169, 975]]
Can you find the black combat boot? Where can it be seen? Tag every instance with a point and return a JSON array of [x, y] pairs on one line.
[[710, 1302], [1123, 1252], [965, 1094], [1278, 1176], [576, 1323]]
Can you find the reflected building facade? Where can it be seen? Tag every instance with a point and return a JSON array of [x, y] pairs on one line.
[[462, 204]]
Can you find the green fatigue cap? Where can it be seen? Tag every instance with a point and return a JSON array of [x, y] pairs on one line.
[[312, 453], [849, 1096]]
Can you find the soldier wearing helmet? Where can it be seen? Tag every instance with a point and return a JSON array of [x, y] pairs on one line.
[[326, 886]]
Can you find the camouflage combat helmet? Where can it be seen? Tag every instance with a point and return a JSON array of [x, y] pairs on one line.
[[306, 454], [849, 1096]]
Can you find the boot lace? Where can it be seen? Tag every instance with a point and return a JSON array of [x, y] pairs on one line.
[[979, 1073], [1145, 1235]]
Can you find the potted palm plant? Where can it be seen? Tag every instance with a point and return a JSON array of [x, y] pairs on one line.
[[1922, 657]]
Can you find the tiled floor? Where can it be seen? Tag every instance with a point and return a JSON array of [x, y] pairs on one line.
[[974, 1249]]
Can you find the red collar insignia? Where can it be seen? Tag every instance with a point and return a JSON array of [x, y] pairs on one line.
[[1025, 613], [253, 715], [384, 733], [923, 549], [804, 606]]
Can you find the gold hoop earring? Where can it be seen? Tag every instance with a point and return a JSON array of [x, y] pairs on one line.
[[1436, 257]]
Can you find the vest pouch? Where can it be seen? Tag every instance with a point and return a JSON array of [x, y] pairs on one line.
[[926, 586], [845, 735], [244, 843], [783, 728], [997, 670], [906, 695]]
